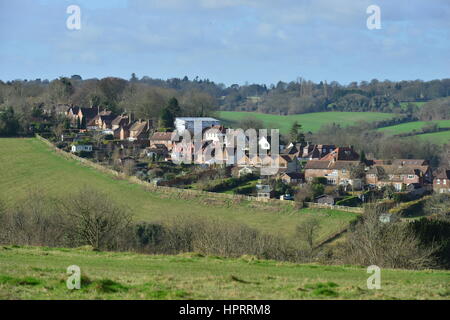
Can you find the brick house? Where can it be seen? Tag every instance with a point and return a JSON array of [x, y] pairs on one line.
[[101, 121], [441, 181], [140, 130], [399, 174], [336, 172], [120, 121], [316, 151], [164, 138], [292, 177], [80, 115]]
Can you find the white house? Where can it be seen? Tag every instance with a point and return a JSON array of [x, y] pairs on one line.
[[80, 147], [187, 123]]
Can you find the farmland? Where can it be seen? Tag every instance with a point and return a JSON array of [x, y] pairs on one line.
[[411, 126], [28, 165], [40, 273], [436, 137], [309, 121]]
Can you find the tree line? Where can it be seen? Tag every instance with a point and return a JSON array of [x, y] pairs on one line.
[[145, 96]]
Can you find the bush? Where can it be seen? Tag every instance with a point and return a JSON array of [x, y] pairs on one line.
[[352, 201], [244, 190], [434, 232], [410, 208], [149, 235], [388, 245]]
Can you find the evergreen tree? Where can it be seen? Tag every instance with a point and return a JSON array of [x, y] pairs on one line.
[[174, 107], [295, 134], [166, 118]]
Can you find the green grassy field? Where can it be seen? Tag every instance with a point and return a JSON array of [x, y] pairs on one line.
[[28, 165], [410, 126], [40, 273], [436, 137], [309, 121]]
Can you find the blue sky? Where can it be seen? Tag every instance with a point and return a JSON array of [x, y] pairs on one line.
[[228, 41]]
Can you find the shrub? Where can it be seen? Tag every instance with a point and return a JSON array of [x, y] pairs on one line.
[[409, 208], [352, 201]]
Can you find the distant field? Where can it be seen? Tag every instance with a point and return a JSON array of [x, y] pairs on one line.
[[29, 165], [40, 273], [410, 126], [309, 121], [436, 137]]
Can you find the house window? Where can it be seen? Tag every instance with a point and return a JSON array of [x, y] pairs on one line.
[[410, 176], [438, 181], [445, 182]]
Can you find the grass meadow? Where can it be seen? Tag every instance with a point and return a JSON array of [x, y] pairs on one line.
[[40, 273]]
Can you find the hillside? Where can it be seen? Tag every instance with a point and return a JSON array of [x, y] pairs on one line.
[[411, 126], [309, 121], [436, 137], [28, 165], [40, 273]]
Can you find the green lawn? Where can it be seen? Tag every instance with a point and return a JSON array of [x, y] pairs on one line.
[[310, 121], [410, 126], [28, 165], [40, 273]]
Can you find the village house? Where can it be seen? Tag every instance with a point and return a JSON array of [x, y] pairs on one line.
[[140, 130], [315, 151], [264, 191], [162, 138], [399, 174], [336, 167], [336, 172], [292, 177], [441, 181], [101, 121], [79, 115], [122, 133], [325, 199], [120, 121]]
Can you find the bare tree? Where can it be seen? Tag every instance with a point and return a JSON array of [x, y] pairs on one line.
[[390, 245], [94, 218], [307, 231]]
